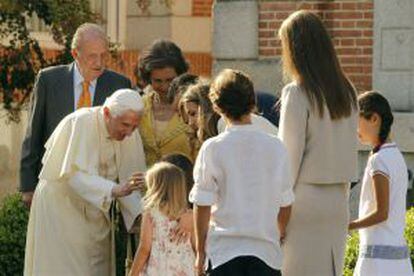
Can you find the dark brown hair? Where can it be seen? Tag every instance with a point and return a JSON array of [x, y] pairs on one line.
[[161, 54], [182, 162], [232, 93], [373, 102], [179, 85], [310, 59]]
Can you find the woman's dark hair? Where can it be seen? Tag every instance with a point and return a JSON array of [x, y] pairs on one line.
[[161, 54], [184, 164], [232, 93], [179, 85], [371, 103], [310, 59]]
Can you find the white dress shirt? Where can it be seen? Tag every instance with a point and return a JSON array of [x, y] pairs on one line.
[[261, 122]]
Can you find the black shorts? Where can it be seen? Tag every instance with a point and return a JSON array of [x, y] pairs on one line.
[[244, 266]]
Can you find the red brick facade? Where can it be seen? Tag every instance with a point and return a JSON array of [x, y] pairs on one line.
[[200, 63], [349, 21], [202, 7], [126, 62]]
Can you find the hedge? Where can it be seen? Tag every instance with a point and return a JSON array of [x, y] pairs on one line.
[[13, 226], [351, 253]]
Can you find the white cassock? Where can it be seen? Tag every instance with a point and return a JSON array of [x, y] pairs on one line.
[[69, 231]]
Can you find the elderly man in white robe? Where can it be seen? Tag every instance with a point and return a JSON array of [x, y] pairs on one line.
[[93, 158]]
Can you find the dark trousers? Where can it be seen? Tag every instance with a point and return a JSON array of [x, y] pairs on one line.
[[244, 266]]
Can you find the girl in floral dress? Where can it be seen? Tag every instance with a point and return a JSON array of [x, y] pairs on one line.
[[165, 201]]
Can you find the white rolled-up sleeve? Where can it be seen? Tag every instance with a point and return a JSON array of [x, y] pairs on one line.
[[287, 197], [204, 191]]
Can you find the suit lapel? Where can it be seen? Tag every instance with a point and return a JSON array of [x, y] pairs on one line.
[[100, 94], [69, 92]]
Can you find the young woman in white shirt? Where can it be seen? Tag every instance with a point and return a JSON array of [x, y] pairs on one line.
[[381, 222], [242, 188]]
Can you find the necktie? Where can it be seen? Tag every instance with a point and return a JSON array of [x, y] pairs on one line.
[[85, 97]]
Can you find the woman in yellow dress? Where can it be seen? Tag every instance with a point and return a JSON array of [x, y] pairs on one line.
[[162, 130]]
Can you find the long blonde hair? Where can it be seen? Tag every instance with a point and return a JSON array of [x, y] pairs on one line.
[[166, 189]]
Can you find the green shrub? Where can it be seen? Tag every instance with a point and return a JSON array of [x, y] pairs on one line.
[[409, 232], [13, 227], [351, 253]]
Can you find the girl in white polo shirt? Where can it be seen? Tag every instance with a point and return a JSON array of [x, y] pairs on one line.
[[383, 249]]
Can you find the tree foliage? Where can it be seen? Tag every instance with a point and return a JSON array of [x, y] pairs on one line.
[[20, 54]]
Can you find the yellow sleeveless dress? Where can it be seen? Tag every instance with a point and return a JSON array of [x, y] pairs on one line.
[[170, 141]]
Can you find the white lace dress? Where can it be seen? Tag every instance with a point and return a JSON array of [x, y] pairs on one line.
[[167, 257]]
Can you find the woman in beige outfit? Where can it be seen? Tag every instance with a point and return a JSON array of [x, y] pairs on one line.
[[318, 125]]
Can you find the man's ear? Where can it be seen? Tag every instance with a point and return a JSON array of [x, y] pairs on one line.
[[106, 112], [74, 54]]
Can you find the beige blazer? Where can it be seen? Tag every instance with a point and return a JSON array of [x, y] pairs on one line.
[[321, 150]]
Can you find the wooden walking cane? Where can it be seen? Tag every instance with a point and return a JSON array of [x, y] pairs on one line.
[[129, 256]]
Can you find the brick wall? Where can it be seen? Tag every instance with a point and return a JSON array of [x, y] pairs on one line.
[[202, 7], [200, 63], [126, 62], [350, 23]]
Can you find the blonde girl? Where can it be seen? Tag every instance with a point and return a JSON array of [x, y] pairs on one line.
[[164, 203]]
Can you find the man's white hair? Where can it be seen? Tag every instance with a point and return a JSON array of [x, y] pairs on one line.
[[124, 100], [87, 29]]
